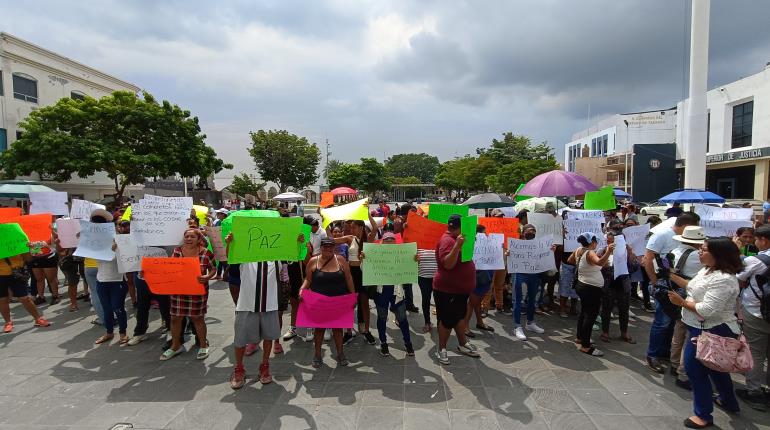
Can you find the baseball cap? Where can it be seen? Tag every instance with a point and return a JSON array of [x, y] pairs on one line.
[[327, 241], [309, 220], [388, 235], [454, 221]]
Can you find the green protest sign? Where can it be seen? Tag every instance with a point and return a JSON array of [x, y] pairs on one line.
[[468, 230], [13, 240], [603, 200], [440, 212], [265, 239], [521, 198], [227, 223], [306, 230], [389, 263]]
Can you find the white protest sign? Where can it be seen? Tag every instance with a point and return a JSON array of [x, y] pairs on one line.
[[713, 212], [530, 256], [158, 222], [636, 237], [175, 202], [620, 257], [48, 202], [488, 252], [575, 227], [584, 214], [67, 230], [547, 225], [217, 244], [478, 212], [723, 227], [81, 209], [130, 256], [509, 212], [96, 241]]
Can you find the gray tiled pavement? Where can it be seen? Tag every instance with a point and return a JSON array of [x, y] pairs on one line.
[[56, 378]]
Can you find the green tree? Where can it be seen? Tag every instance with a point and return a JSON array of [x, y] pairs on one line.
[[285, 158], [422, 166], [243, 184], [331, 166], [372, 177], [518, 161], [509, 176], [345, 175], [130, 138], [452, 175]]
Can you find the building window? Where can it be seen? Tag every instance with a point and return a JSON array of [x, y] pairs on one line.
[[743, 114], [77, 95], [604, 145], [593, 147], [18, 135], [25, 88], [1, 83], [3, 139], [708, 131]]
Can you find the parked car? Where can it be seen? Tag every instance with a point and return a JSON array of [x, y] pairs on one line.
[[659, 208]]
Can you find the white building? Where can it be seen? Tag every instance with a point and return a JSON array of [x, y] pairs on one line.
[[31, 77]]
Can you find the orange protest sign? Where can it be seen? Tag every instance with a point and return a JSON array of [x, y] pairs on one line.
[[327, 199], [177, 276], [507, 226], [37, 227], [6, 213], [423, 231]]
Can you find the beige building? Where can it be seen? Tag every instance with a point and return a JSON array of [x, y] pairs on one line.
[[32, 77]]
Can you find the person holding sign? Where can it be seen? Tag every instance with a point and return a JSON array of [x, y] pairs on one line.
[[589, 287], [13, 280], [45, 267], [532, 281], [617, 291], [111, 290], [483, 286], [453, 283], [193, 307], [328, 274]]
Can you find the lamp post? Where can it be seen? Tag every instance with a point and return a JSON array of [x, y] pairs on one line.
[[625, 164]]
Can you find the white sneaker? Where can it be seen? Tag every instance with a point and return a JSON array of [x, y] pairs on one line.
[[136, 340], [468, 349], [631, 315], [327, 335], [519, 332], [533, 327], [309, 335], [290, 334], [442, 356]]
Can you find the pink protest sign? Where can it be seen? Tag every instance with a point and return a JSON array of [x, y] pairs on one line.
[[317, 310]]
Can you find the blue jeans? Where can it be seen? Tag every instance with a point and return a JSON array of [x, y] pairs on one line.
[[94, 292], [661, 333], [113, 298], [701, 378], [408, 295], [533, 286], [426, 291], [385, 300]]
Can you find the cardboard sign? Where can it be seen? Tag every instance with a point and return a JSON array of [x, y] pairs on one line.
[[227, 223], [327, 199], [424, 232], [317, 310], [67, 230], [37, 227], [723, 227], [530, 256], [468, 230], [357, 210], [712, 212], [6, 213], [636, 237], [506, 226], [602, 200], [389, 264], [13, 240], [81, 209], [178, 276], [575, 227], [440, 212], [159, 222], [53, 202], [130, 256], [265, 239], [547, 225], [96, 241], [217, 244], [488, 252], [620, 257], [202, 212]]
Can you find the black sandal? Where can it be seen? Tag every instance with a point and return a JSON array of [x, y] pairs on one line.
[[690, 424], [593, 352], [485, 328]]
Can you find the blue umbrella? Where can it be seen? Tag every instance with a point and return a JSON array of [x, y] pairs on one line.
[[620, 194], [689, 195]]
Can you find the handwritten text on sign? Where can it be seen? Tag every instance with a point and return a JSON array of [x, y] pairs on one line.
[[488, 252], [711, 212], [575, 227], [547, 225], [130, 256], [173, 275], [81, 209], [265, 239], [13, 240], [389, 264], [723, 227], [636, 237], [530, 256], [96, 241], [54, 202], [158, 223]]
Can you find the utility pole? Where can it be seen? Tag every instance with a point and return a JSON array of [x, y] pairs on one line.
[[697, 114], [328, 154]]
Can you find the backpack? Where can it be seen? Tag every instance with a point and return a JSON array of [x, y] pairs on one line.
[[665, 285], [762, 282]]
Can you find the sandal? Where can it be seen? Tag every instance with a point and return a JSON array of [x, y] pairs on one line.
[[317, 362], [342, 361], [170, 353], [485, 328], [123, 339], [104, 338], [593, 352], [605, 338], [470, 334], [628, 339], [203, 353], [74, 308]]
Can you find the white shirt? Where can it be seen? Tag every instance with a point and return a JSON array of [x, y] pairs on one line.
[[693, 265], [714, 296], [259, 291], [662, 243], [108, 271], [753, 266], [427, 266], [587, 272], [315, 240]]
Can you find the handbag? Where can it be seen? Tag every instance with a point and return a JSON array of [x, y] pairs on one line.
[[724, 354], [19, 274]]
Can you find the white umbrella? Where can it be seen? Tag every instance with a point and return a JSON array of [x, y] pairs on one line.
[[538, 204], [289, 197]]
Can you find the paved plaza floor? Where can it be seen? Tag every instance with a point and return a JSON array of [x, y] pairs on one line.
[[56, 378]]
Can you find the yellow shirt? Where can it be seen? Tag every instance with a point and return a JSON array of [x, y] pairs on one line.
[[5, 269], [90, 262]]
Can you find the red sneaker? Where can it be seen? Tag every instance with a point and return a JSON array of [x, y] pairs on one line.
[[251, 348], [264, 373], [277, 348], [42, 322], [238, 377], [8, 327]]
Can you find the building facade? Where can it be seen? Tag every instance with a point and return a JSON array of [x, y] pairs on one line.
[[32, 77]]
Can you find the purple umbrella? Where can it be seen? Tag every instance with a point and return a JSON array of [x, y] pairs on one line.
[[558, 183]]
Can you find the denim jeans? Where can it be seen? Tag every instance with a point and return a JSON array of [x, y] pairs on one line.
[[94, 292], [143, 298], [113, 298], [661, 333], [385, 300], [533, 286], [426, 291], [408, 295], [701, 378]]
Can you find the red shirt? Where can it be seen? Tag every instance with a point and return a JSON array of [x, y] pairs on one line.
[[461, 279]]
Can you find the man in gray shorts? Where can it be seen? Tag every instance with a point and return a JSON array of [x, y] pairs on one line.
[[256, 317]]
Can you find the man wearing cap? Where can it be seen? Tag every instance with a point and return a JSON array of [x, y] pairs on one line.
[[221, 214], [452, 285]]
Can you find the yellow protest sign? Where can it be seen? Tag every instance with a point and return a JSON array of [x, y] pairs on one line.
[[358, 210]]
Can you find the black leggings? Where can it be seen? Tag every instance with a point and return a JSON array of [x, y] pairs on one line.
[[590, 302], [613, 294], [426, 290]]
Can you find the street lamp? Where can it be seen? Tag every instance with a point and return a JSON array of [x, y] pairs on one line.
[[625, 164]]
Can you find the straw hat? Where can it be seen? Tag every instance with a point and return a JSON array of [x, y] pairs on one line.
[[692, 234]]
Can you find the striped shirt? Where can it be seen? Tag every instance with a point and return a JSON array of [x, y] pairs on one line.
[[259, 287], [427, 266]]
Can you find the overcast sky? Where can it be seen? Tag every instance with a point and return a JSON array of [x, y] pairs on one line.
[[384, 77]]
